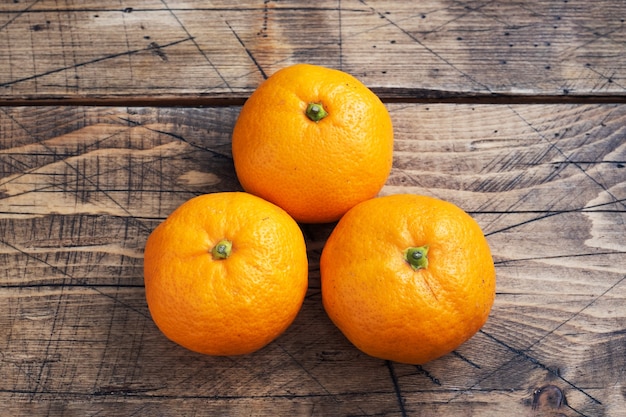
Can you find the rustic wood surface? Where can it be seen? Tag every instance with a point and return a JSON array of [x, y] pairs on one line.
[[192, 49], [114, 113]]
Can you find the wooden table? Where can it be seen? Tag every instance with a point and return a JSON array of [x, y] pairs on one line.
[[114, 113]]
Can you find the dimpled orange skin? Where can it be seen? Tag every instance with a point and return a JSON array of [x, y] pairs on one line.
[[385, 307], [316, 171], [229, 306]]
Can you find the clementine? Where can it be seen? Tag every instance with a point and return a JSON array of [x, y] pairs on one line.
[[225, 273], [407, 278], [313, 140]]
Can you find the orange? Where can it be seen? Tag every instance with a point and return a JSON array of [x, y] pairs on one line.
[[407, 278], [225, 273], [313, 140]]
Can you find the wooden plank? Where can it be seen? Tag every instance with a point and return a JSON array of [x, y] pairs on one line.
[[82, 187], [197, 51]]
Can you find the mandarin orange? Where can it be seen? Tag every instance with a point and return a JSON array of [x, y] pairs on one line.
[[225, 273], [407, 278], [313, 140]]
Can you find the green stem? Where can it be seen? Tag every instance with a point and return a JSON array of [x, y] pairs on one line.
[[222, 249], [417, 257], [316, 112]]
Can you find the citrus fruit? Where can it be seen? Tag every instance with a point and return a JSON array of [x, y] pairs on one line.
[[313, 140], [407, 278], [225, 273]]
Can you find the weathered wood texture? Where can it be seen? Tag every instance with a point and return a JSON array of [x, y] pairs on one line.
[[201, 50], [82, 187]]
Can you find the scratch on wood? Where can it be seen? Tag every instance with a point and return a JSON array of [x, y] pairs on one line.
[[81, 175], [549, 213], [340, 22], [428, 375], [396, 388], [536, 362], [428, 49], [248, 52], [464, 359], [193, 40], [158, 51], [18, 15], [89, 62], [554, 146], [316, 380], [178, 137]]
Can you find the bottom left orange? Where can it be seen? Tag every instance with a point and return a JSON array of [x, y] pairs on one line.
[[226, 273]]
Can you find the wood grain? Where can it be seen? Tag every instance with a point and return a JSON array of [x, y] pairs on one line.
[[195, 51], [82, 187], [114, 113]]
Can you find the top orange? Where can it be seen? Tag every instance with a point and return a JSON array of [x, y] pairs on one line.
[[407, 278], [314, 141]]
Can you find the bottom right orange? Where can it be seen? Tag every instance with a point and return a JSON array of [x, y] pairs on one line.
[[407, 278]]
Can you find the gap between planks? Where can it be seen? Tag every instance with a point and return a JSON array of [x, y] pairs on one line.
[[409, 96]]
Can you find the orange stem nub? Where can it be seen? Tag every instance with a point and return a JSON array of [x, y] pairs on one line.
[[316, 112], [417, 257], [222, 249]]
